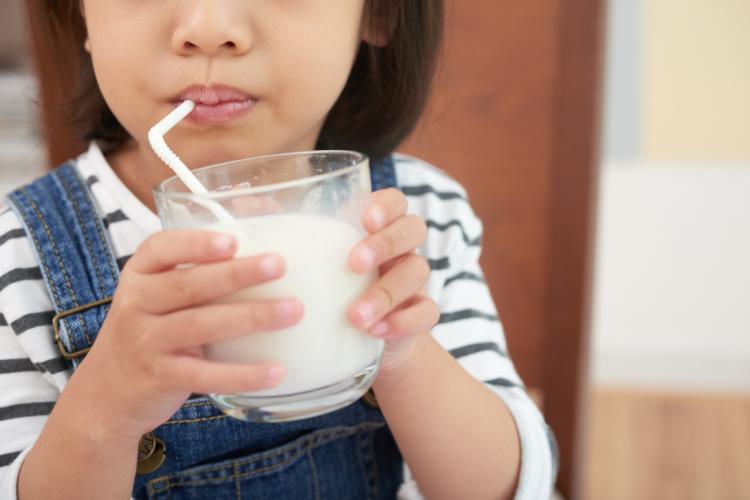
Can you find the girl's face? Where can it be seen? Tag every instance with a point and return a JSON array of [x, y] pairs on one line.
[[285, 63]]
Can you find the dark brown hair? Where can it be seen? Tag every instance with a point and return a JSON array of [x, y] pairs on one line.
[[379, 106]]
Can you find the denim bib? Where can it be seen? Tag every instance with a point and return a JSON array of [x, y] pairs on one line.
[[200, 452]]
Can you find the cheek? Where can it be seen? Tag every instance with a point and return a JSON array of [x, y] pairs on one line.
[[313, 78], [122, 66], [126, 89]]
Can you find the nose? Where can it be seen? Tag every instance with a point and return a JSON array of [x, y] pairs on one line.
[[210, 28]]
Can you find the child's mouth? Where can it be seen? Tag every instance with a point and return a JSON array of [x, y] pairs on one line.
[[217, 103], [219, 113]]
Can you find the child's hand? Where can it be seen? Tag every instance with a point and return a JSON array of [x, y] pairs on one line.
[[148, 358], [395, 307]]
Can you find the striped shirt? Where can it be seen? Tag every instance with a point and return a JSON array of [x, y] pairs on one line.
[[32, 372]]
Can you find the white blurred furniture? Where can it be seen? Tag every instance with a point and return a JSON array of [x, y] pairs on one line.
[[22, 156], [672, 279]]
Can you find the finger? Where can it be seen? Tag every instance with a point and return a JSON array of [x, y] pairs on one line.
[[200, 376], [167, 249], [186, 287], [420, 317], [397, 285], [208, 324], [387, 266], [385, 207], [402, 236]]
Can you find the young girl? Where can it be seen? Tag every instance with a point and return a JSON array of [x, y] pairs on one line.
[[117, 411]]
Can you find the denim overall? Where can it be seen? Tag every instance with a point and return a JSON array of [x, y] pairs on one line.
[[200, 452]]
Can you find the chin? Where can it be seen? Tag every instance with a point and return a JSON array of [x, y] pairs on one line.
[[210, 151], [205, 160], [217, 154]]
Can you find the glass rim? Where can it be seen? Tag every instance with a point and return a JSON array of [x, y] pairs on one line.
[[359, 158]]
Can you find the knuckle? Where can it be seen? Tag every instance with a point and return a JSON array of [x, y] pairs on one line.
[[194, 323], [155, 371], [126, 302], [234, 275], [129, 278], [128, 268], [394, 200], [260, 316], [434, 312], [145, 361], [420, 226], [143, 339], [392, 193], [388, 243], [399, 324], [150, 249], [184, 288], [422, 230], [150, 244], [422, 267], [400, 199], [385, 295]]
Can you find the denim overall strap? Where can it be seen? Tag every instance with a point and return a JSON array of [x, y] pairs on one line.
[[383, 174], [76, 261]]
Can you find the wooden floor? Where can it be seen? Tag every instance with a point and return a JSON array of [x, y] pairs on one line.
[[659, 446]]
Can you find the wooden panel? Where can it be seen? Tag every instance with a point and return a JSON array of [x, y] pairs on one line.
[[573, 176], [668, 446]]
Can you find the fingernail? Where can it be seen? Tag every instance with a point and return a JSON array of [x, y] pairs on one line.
[[366, 256], [223, 242], [276, 373], [271, 266], [288, 308], [366, 312], [377, 216], [380, 329]]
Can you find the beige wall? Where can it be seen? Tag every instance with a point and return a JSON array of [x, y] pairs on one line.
[[696, 80]]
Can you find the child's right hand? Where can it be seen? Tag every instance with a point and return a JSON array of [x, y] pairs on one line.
[[147, 358]]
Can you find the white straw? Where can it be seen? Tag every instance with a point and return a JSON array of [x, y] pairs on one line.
[[156, 139]]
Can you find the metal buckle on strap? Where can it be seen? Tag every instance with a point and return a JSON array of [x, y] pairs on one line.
[[56, 327]]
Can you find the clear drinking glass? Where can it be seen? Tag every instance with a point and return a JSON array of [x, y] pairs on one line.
[[308, 208]]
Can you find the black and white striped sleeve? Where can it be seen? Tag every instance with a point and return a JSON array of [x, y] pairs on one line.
[[27, 360], [26, 399], [471, 331], [469, 326]]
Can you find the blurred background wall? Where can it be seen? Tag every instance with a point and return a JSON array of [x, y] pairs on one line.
[[21, 152], [695, 80], [672, 280]]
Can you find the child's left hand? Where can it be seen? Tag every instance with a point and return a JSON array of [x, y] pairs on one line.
[[395, 307]]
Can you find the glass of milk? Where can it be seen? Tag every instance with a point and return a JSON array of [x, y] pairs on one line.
[[308, 208]]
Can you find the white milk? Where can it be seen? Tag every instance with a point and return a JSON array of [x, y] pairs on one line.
[[324, 348]]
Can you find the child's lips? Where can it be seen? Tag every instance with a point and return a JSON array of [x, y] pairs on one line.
[[216, 103], [220, 112]]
